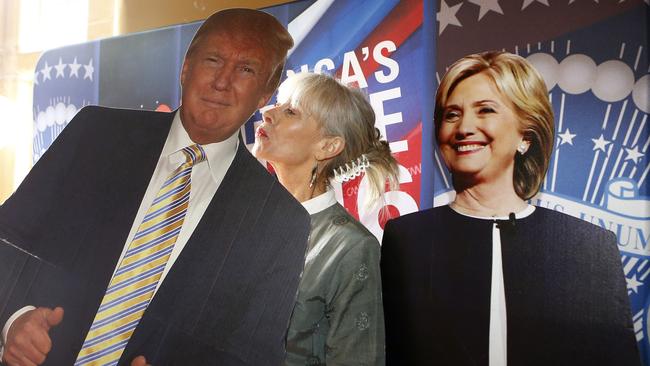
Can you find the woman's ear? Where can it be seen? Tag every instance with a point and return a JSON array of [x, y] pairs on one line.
[[329, 147]]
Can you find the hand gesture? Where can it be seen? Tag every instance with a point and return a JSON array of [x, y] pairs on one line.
[[139, 361], [28, 341]]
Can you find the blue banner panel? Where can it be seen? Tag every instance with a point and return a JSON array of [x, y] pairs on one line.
[[65, 80], [142, 71]]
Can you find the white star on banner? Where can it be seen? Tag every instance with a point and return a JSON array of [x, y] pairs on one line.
[[60, 67], [89, 70], [487, 5], [600, 143], [74, 68], [571, 1], [46, 72], [528, 2], [567, 137], [633, 284], [633, 154], [447, 15], [36, 78]]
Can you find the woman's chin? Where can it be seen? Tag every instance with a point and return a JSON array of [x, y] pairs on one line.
[[258, 150]]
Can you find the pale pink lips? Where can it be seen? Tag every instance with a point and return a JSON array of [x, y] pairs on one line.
[[261, 133]]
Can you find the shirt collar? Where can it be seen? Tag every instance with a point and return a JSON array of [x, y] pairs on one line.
[[519, 215], [320, 202], [215, 152]]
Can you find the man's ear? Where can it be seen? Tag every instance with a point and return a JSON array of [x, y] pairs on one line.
[[184, 70], [264, 99], [329, 147]]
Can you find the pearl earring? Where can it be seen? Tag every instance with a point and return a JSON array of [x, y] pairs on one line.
[[522, 148]]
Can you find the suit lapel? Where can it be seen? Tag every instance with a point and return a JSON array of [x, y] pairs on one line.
[[179, 303], [114, 164], [128, 175]]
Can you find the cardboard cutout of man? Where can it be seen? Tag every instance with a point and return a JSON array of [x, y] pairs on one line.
[[227, 289]]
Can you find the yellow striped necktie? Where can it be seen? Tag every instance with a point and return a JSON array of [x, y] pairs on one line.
[[136, 278]]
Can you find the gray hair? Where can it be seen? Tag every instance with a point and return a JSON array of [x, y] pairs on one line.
[[344, 112]]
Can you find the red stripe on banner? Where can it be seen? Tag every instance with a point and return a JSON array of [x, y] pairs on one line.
[[398, 26]]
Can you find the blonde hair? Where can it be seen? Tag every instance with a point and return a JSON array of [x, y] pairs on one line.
[[343, 111], [262, 26], [518, 80]]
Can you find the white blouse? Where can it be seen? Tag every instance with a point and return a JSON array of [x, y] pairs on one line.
[[498, 339]]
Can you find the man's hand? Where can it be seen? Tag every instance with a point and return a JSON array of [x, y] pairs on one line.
[[28, 341], [139, 361]]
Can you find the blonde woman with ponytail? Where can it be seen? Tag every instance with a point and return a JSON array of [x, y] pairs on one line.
[[318, 131]]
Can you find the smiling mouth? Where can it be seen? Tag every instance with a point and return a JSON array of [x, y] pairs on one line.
[[469, 148]]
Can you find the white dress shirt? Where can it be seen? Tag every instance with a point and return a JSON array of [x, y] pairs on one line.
[[498, 339], [206, 178]]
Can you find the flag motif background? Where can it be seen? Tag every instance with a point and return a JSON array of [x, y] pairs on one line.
[[593, 55]]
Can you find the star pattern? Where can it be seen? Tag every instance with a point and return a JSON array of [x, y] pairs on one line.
[[447, 16], [46, 72], [633, 284], [60, 68], [528, 2], [487, 5], [566, 137], [633, 154], [89, 69], [74, 68], [600, 143]]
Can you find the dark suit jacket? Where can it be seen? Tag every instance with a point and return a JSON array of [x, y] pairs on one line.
[[228, 297], [566, 298]]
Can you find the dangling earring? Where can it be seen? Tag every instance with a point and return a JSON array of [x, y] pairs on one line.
[[314, 175], [522, 148]]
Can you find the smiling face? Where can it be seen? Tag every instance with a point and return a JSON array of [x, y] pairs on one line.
[[288, 137], [479, 133], [224, 80]]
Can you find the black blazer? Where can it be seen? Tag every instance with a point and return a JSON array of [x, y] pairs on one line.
[[566, 298], [228, 297]]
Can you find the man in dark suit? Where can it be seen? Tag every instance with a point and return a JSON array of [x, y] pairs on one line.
[[229, 285]]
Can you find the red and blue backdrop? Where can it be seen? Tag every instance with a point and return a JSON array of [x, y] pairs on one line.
[[593, 56]]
